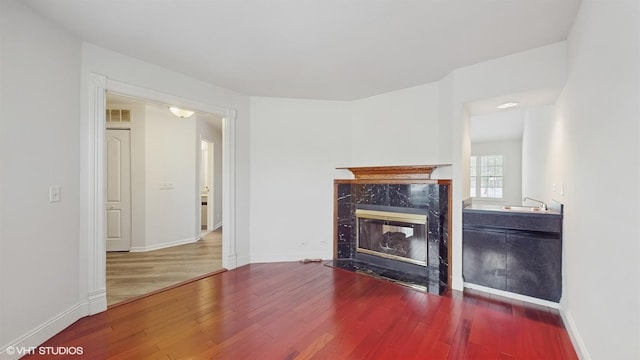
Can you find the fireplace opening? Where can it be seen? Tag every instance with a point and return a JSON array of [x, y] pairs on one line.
[[393, 233]]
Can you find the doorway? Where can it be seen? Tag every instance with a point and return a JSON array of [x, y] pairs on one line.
[[93, 199], [207, 187], [159, 157]]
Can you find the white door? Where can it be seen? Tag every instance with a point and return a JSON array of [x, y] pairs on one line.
[[118, 190]]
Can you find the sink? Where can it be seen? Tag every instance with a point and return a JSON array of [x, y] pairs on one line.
[[523, 208]]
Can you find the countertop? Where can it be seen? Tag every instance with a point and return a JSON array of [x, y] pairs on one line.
[[501, 208]]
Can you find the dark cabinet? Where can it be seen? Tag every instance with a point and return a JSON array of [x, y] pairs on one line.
[[484, 257], [534, 266], [525, 259]]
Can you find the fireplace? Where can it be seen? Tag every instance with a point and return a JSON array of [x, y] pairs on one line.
[[393, 222], [393, 233]]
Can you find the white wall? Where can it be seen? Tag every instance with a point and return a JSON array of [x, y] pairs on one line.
[[39, 147], [539, 154], [170, 158], [446, 124], [511, 150], [523, 72], [397, 128], [597, 116], [295, 147]]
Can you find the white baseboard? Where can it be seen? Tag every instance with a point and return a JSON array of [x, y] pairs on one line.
[[164, 245], [231, 262], [44, 332], [285, 257], [576, 339], [457, 283], [514, 296], [97, 301], [217, 226], [243, 260]]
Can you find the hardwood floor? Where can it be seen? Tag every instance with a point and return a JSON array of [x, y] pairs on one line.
[[311, 311], [130, 275]]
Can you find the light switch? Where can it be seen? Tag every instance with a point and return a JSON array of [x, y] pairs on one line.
[[54, 193]]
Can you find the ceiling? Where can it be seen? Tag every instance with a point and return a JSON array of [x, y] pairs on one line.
[[498, 126], [319, 49]]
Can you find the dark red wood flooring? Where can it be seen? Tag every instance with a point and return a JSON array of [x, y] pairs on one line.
[[311, 311]]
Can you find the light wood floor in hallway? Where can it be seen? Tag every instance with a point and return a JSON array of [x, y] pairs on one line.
[[130, 275]]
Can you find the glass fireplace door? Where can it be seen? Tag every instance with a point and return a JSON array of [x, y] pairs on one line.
[[393, 235]]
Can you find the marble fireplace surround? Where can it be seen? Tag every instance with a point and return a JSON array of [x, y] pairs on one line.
[[396, 187]]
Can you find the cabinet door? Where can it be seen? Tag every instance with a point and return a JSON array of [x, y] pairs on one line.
[[484, 258], [534, 266]]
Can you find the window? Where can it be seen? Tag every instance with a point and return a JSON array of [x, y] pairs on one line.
[[487, 176]]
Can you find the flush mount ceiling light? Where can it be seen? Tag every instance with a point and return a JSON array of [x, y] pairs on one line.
[[181, 113], [507, 105]]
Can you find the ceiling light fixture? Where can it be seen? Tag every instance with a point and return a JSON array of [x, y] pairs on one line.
[[181, 113], [507, 105]]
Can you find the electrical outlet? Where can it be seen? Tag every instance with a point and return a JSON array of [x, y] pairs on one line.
[[323, 241], [553, 187], [166, 186], [54, 193], [303, 243]]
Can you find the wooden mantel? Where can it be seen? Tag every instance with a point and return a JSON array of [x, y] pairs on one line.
[[413, 172]]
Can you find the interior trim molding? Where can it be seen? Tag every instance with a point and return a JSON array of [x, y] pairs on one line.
[[96, 165], [243, 260], [38, 335], [229, 253], [413, 172], [574, 334], [511, 295], [165, 245], [283, 257], [97, 301]]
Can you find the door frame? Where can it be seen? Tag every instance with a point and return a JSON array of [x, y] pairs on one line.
[[95, 205]]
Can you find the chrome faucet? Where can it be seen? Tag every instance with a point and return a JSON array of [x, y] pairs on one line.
[[543, 205]]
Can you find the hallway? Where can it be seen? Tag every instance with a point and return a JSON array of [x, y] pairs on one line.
[[130, 275]]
